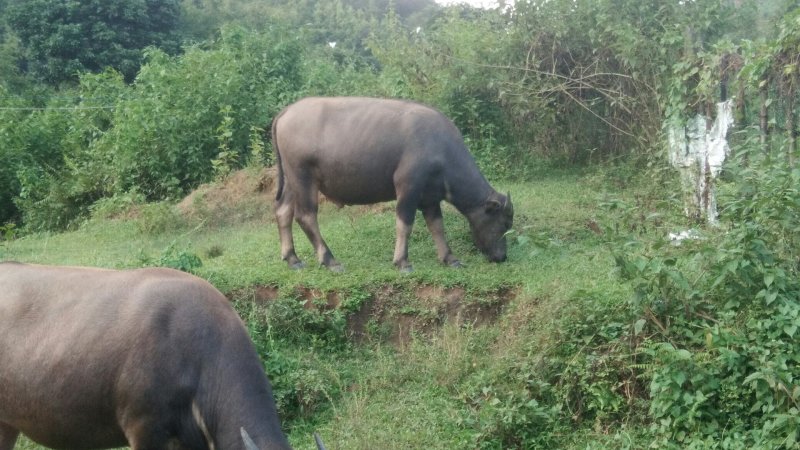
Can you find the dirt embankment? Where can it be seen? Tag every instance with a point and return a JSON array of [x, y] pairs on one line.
[[242, 196], [245, 195], [398, 314]]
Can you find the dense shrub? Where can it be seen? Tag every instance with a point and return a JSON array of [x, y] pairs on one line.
[[158, 137], [57, 169], [166, 133], [12, 140], [720, 318]]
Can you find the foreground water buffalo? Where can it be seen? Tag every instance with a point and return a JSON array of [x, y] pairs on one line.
[[359, 150], [151, 358]]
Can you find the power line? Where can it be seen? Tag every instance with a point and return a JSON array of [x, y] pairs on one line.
[[70, 108], [55, 97]]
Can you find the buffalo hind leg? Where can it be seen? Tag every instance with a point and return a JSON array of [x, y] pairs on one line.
[[8, 437], [404, 224], [306, 215], [284, 216], [433, 218], [309, 225]]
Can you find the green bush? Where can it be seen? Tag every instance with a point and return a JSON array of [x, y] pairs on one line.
[[167, 133], [298, 386], [8, 232], [721, 315], [13, 139], [174, 258], [174, 128], [53, 170]]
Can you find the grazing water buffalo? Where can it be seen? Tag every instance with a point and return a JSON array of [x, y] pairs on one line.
[[151, 358], [363, 150]]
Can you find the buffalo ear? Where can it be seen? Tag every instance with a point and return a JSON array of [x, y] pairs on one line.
[[493, 206], [248, 443]]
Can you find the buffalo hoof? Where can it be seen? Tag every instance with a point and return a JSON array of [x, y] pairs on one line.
[[406, 269], [336, 268], [298, 265], [455, 263]]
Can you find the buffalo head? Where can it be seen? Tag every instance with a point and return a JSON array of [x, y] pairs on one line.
[[489, 223]]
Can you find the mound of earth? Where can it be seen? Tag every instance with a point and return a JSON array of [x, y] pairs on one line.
[[246, 195], [242, 196]]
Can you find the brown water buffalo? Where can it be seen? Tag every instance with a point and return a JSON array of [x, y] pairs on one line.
[[359, 150], [150, 358]]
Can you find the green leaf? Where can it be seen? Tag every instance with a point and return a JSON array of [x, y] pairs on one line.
[[638, 326], [771, 296]]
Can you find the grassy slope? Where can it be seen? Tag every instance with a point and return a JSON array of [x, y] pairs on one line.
[[379, 396]]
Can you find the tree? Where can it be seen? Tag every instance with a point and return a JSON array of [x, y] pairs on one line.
[[9, 72], [64, 38]]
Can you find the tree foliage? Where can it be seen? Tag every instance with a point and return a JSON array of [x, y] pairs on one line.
[[158, 137], [65, 38], [558, 81]]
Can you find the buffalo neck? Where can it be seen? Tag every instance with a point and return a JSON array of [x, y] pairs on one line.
[[247, 403], [467, 189]]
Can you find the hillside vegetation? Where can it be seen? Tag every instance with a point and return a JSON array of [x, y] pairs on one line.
[[599, 332], [372, 357]]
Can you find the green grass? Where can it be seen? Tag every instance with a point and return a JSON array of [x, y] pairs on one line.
[[435, 390], [363, 240]]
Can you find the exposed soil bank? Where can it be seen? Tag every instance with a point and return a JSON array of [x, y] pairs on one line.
[[396, 314]]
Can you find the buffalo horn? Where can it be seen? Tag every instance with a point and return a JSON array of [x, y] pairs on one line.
[[318, 440], [248, 443]]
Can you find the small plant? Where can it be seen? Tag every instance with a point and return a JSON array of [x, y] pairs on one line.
[[215, 251], [316, 326], [259, 154], [354, 300], [226, 158], [8, 231], [159, 217], [173, 258]]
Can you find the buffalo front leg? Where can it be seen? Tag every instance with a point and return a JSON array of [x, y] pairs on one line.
[[433, 218], [8, 437], [284, 216]]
